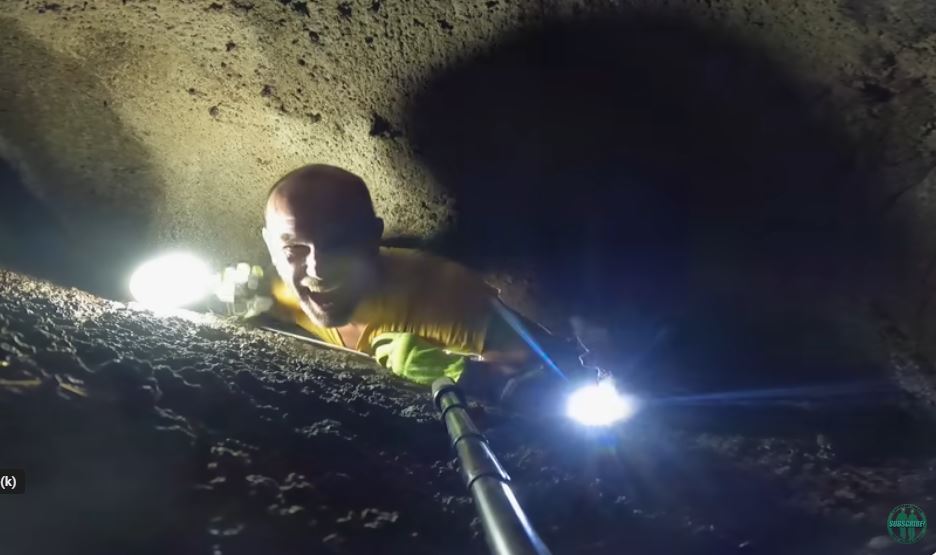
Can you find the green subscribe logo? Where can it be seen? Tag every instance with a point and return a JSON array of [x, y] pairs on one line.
[[906, 523]]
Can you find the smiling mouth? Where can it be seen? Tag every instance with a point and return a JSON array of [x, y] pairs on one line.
[[323, 299], [316, 289]]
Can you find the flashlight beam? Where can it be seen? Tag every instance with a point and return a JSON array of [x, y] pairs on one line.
[[782, 394], [600, 405], [527, 337], [172, 280]]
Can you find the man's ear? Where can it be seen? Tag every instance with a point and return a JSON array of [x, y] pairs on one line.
[[378, 228]]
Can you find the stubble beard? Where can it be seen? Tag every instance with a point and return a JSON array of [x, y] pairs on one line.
[[335, 318]]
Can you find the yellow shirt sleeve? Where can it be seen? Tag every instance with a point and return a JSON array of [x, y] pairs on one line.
[[431, 297]]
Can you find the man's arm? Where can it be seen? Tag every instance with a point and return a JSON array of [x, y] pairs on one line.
[[513, 364], [505, 344]]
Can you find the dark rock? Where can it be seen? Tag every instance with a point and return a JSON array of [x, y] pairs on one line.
[[380, 127], [193, 436], [302, 8], [345, 10], [49, 7]]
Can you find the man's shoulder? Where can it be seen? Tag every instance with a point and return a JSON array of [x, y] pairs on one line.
[[416, 265], [429, 276], [407, 256], [434, 297]]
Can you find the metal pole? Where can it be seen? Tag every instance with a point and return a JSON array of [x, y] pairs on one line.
[[315, 342], [506, 527]]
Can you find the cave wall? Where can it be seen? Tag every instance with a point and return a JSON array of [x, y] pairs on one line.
[[143, 124]]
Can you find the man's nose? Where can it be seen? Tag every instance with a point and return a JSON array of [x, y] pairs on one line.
[[321, 267]]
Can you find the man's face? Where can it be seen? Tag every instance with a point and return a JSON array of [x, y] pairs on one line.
[[330, 268]]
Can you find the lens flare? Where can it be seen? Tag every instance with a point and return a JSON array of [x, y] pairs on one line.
[[171, 281], [600, 405]]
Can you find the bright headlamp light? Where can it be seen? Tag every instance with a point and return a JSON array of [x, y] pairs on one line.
[[600, 404]]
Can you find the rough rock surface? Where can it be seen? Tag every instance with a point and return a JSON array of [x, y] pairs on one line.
[[739, 191], [148, 123], [143, 433]]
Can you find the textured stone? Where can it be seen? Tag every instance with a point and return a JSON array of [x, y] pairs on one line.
[[284, 446], [141, 125], [741, 190]]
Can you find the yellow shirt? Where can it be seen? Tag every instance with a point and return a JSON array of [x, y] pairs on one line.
[[428, 296]]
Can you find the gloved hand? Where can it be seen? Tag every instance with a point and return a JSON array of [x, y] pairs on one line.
[[416, 359], [240, 291]]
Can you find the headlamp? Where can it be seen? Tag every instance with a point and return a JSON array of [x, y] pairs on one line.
[[600, 404]]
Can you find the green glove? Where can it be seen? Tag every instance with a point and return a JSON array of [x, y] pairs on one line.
[[415, 358]]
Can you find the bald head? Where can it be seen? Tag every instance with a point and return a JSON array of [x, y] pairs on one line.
[[323, 237], [324, 195]]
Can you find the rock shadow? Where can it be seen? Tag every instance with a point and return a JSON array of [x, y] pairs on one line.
[[32, 239], [661, 179], [63, 221]]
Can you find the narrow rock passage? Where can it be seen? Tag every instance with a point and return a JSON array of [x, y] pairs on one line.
[[150, 434]]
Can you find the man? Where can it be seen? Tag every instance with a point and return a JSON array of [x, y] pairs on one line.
[[419, 315]]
